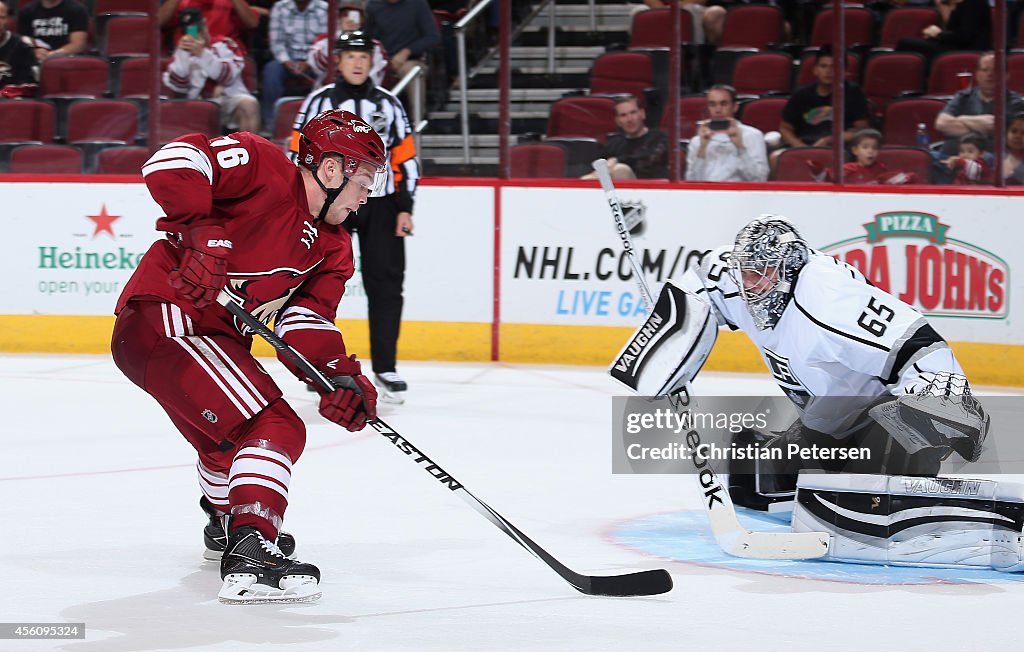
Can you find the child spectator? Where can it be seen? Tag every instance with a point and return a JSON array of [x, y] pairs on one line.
[[1013, 164], [973, 165], [866, 168]]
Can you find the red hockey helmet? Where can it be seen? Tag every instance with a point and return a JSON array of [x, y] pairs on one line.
[[346, 135]]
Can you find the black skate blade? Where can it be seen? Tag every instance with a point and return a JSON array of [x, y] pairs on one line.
[[649, 582]]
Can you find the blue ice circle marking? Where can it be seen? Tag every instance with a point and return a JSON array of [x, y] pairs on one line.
[[686, 537]]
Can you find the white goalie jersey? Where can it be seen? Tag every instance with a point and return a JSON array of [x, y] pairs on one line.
[[839, 335]]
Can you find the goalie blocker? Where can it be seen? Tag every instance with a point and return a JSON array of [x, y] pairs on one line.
[[670, 348], [914, 521]]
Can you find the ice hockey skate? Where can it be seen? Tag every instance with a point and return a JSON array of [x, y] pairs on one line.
[[255, 571], [215, 538], [392, 387]]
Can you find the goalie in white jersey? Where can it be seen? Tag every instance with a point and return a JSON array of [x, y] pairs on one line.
[[825, 331]]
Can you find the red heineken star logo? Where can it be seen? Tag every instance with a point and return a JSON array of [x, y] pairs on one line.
[[103, 222]]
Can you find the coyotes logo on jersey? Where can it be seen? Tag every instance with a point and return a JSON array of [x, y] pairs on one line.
[[264, 294]]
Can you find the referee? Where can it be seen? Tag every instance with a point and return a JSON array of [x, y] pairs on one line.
[[383, 222]]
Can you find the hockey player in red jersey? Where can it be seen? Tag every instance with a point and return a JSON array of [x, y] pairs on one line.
[[241, 217]]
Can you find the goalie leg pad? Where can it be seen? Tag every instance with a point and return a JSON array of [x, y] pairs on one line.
[[670, 348], [914, 521]]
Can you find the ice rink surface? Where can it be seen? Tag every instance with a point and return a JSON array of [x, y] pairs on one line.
[[100, 524]]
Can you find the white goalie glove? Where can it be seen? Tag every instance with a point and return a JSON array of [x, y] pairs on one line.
[[940, 412]]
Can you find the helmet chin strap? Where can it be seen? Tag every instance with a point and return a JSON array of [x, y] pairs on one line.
[[332, 194]]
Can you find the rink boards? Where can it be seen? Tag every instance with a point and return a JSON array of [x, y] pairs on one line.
[[533, 271]]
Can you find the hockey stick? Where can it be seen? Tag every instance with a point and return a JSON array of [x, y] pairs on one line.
[[731, 536], [649, 582]]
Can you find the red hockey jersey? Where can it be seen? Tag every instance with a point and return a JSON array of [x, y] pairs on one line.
[[279, 258]]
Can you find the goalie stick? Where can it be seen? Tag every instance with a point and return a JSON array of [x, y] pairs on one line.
[[730, 535], [649, 582]]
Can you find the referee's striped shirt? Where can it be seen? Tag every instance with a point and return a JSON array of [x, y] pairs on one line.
[[382, 111]]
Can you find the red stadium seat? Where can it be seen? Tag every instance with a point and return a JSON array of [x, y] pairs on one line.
[[180, 117], [538, 161], [763, 73], [46, 159], [752, 26], [284, 117], [122, 160], [1015, 72], [803, 163], [126, 35], [580, 152], [22, 120], [907, 159], [121, 6], [102, 120], [859, 25], [890, 73], [622, 72], [653, 28], [692, 108], [806, 73], [582, 117], [903, 116], [764, 113], [80, 76], [944, 77], [134, 77], [905, 22]]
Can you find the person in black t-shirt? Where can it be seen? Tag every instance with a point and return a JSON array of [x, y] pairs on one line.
[[807, 116], [17, 78], [636, 152], [56, 27]]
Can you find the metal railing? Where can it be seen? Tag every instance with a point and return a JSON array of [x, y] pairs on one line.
[[417, 100]]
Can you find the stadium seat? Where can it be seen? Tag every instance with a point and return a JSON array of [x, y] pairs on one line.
[[74, 76], [764, 113], [889, 74], [180, 117], [752, 26], [102, 120], [622, 72], [944, 77], [859, 25], [133, 77], [907, 159], [580, 152], [582, 117], [46, 159], [763, 73], [285, 111], [653, 29], [23, 120], [692, 108], [903, 116], [1015, 72], [126, 35], [538, 161], [802, 163], [121, 6], [806, 73], [121, 160], [905, 22]]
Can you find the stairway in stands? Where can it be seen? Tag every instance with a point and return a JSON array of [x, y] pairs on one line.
[[533, 87]]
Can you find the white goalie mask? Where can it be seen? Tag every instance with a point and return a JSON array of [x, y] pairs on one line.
[[766, 257]]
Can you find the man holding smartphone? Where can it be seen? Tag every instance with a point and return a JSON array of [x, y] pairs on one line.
[[724, 148]]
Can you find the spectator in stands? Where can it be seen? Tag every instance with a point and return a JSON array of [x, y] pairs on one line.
[[1013, 164], [966, 25], [57, 27], [971, 109], [972, 165], [212, 69], [224, 18], [708, 22], [807, 116], [294, 25], [866, 168], [635, 152], [350, 19], [17, 61], [408, 31], [725, 149]]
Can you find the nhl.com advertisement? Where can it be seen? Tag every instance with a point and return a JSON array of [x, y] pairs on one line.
[[949, 256]]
